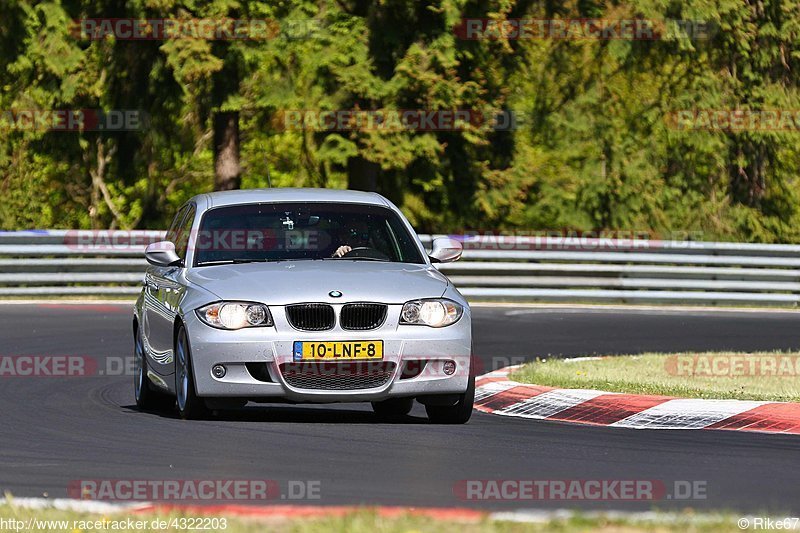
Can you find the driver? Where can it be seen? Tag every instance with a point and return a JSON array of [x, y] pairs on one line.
[[356, 236]]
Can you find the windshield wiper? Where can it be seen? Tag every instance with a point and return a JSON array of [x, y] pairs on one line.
[[234, 261], [362, 259]]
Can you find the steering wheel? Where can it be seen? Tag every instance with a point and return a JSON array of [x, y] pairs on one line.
[[367, 253]]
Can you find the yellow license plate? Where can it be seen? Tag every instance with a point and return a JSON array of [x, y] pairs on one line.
[[338, 351]]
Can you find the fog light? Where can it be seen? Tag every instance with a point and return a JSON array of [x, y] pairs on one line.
[[449, 367], [218, 371]]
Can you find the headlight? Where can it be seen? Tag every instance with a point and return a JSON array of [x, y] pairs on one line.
[[435, 313], [235, 315]]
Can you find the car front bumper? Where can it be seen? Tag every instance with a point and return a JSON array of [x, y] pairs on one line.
[[403, 345]]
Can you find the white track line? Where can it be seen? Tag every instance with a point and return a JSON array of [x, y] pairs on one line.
[[78, 506], [549, 403], [687, 414]]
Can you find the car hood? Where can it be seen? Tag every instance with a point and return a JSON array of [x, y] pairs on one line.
[[286, 282]]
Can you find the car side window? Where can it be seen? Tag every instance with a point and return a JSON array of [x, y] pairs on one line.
[[172, 232], [185, 229]]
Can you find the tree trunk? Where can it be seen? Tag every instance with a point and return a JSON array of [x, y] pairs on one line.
[[362, 175], [227, 170], [748, 183]]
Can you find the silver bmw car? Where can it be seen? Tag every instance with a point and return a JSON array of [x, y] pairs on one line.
[[301, 295]]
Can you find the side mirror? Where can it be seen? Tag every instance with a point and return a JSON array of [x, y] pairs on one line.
[[162, 254], [446, 250]]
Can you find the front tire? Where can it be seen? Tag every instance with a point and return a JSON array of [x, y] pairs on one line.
[[146, 398], [393, 407], [459, 413], [190, 407]]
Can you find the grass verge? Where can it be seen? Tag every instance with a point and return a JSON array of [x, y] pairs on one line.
[[769, 376]]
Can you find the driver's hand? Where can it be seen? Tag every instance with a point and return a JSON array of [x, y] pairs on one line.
[[340, 251]]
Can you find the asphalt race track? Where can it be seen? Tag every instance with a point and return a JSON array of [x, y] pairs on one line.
[[57, 430]]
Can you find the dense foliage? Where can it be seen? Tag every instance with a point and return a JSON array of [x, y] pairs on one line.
[[595, 145]]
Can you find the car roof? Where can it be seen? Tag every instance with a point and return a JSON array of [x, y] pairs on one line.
[[252, 196]]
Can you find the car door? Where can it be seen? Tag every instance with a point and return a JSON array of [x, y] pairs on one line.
[[162, 296]]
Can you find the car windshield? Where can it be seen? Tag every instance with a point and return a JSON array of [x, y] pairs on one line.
[[303, 231]]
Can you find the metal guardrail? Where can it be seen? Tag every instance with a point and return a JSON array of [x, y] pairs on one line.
[[76, 263]]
